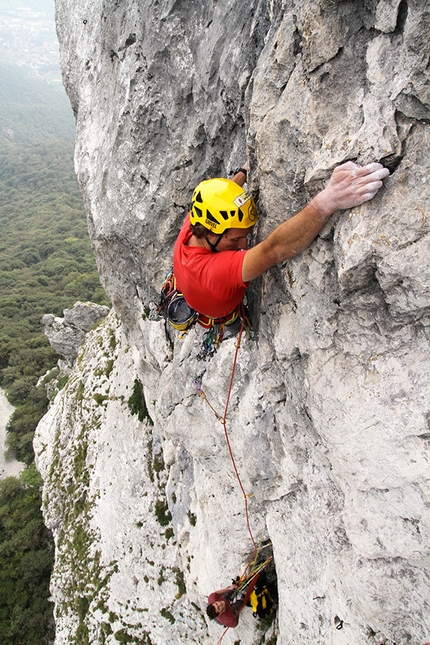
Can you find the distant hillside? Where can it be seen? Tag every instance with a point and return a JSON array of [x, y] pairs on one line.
[[46, 261], [46, 265], [32, 111]]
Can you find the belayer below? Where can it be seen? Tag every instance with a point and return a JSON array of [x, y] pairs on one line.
[[222, 608], [256, 588]]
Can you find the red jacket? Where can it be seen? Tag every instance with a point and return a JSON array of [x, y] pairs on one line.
[[228, 618], [211, 282]]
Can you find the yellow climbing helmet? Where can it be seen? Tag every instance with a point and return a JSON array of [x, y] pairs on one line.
[[220, 204]]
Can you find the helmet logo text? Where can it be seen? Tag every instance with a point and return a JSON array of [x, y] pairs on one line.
[[242, 199]]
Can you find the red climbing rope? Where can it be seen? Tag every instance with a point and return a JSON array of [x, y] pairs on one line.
[[253, 577], [222, 635], [224, 423], [223, 420]]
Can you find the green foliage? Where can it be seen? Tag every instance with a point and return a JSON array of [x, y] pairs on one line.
[[100, 398], [62, 381], [46, 264], [155, 462], [109, 367], [162, 512], [137, 403], [161, 577], [26, 558], [167, 615], [180, 582], [80, 392], [192, 517], [31, 406], [86, 584], [123, 636]]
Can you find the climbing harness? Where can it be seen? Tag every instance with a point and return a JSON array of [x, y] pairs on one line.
[[216, 329], [207, 322], [181, 316]]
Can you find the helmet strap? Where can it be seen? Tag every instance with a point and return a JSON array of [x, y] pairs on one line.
[[214, 246]]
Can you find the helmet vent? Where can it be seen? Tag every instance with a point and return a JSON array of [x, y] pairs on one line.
[[211, 218], [219, 204]]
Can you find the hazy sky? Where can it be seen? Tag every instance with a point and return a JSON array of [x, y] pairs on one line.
[[46, 6], [28, 37]]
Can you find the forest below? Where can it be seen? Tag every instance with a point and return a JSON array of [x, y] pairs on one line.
[[46, 265]]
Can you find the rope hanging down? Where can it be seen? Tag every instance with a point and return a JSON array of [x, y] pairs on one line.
[[223, 420], [252, 571]]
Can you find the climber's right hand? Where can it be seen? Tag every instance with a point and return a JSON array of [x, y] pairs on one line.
[[350, 185]]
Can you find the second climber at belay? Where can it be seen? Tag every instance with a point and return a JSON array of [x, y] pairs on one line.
[[222, 608]]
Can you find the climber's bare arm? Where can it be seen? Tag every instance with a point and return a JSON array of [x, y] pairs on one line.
[[240, 177], [350, 185], [220, 592]]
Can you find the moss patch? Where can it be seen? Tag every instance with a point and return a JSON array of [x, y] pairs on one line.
[[137, 403]]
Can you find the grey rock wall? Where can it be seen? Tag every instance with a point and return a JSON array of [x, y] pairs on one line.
[[329, 416]]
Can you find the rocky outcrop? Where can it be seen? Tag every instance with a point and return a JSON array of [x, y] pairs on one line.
[[67, 334], [328, 419]]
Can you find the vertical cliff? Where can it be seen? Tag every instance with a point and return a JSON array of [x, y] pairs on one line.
[[329, 416]]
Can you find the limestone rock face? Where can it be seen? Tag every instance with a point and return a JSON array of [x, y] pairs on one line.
[[329, 410]]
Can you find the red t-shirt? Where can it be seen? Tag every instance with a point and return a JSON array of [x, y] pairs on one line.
[[211, 282], [228, 618]]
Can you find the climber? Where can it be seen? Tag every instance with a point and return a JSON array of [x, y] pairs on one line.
[[212, 264], [222, 608], [226, 604]]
